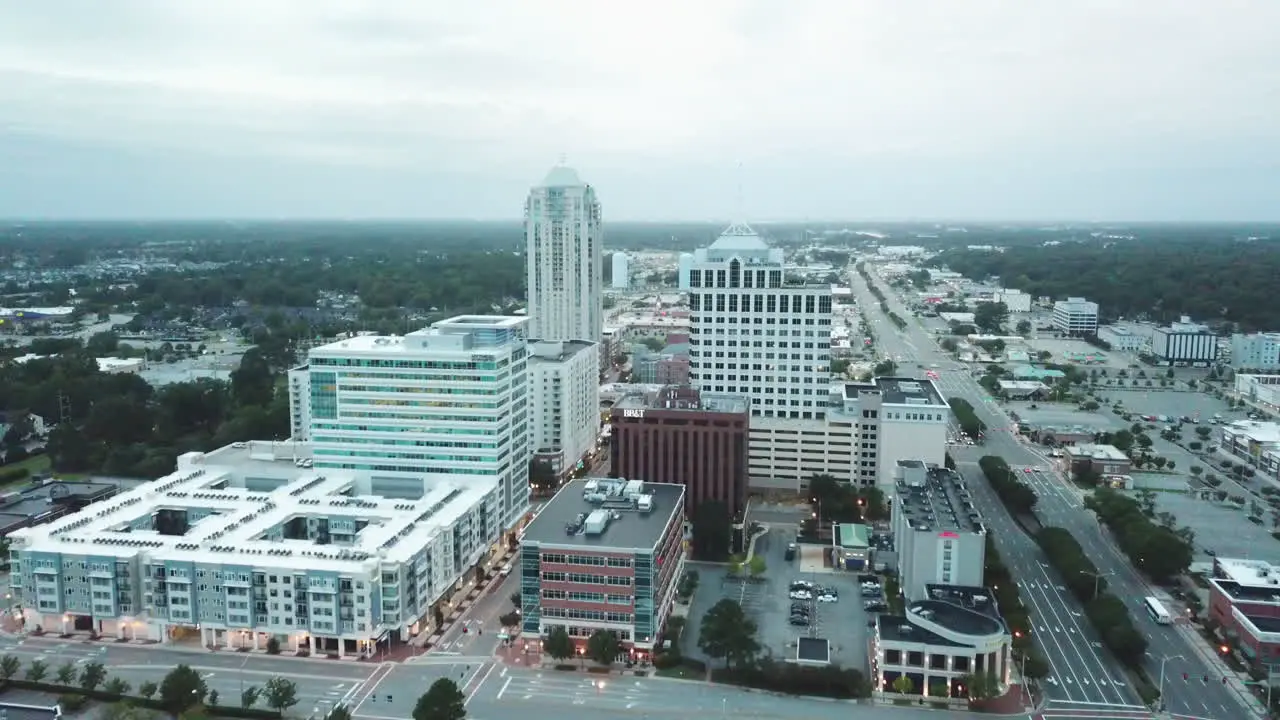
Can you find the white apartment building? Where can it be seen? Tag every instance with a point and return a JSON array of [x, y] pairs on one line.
[[300, 403], [448, 402], [564, 393], [938, 534], [867, 429], [621, 279], [1184, 343], [1015, 300], [564, 251], [246, 544], [752, 333], [1076, 316], [1256, 351]]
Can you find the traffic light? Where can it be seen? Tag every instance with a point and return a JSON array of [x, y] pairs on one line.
[[1224, 679], [1206, 678], [1184, 677]]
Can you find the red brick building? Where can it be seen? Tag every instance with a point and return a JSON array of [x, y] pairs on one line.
[[1244, 599], [604, 555], [680, 436]]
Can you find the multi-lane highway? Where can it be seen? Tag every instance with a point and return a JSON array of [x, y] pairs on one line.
[[1084, 675]]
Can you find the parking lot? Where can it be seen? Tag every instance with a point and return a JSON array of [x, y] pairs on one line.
[[766, 600], [1224, 529], [1170, 402], [1072, 351], [1047, 414]]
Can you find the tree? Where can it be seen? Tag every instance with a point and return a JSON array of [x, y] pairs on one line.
[[903, 685], [603, 647], [712, 531], [147, 690], [9, 666], [117, 686], [990, 317], [66, 673], [515, 600], [126, 711], [558, 644], [213, 698], [280, 693], [1035, 667], [249, 696], [757, 566], [339, 712], [442, 701], [981, 686], [182, 688], [273, 646], [92, 676], [1023, 327], [727, 633], [37, 670]]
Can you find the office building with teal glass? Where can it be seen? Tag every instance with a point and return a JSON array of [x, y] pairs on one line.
[[249, 543], [447, 403]]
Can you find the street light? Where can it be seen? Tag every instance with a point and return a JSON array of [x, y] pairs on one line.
[[1097, 581], [1264, 683], [1160, 688]]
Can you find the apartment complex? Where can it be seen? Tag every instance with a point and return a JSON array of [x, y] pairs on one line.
[[1256, 351], [448, 402], [1076, 316], [604, 555], [754, 333], [564, 400], [246, 544], [680, 436], [1184, 343], [1244, 599], [300, 403], [564, 241], [938, 534], [866, 429]]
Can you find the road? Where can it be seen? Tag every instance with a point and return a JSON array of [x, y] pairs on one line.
[[1085, 674]]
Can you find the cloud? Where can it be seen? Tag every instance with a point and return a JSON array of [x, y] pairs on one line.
[[666, 93]]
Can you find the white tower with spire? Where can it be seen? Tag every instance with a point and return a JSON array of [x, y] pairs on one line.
[[564, 253]]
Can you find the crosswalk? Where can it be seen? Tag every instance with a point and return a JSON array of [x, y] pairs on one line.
[[612, 692]]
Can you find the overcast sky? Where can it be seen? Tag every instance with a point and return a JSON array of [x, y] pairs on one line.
[[841, 109]]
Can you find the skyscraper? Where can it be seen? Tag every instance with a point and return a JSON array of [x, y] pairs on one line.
[[563, 239]]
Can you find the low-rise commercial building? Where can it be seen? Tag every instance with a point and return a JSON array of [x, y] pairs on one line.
[[680, 436], [1100, 459], [1261, 390], [1015, 300], [1253, 442], [938, 534], [1184, 343], [1244, 600], [246, 544], [604, 555], [1259, 352], [1122, 339], [48, 502], [1076, 316], [951, 633]]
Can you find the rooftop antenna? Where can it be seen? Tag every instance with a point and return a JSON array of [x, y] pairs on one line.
[[738, 204]]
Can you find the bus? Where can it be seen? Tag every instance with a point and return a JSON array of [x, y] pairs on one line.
[[1157, 611]]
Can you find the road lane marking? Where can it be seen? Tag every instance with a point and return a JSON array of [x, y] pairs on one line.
[[480, 684], [503, 689]]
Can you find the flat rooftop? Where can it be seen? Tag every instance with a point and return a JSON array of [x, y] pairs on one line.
[[542, 351], [675, 398], [559, 523], [942, 503], [1096, 452], [38, 500], [1255, 581], [899, 391], [1266, 433], [238, 498], [813, 651]]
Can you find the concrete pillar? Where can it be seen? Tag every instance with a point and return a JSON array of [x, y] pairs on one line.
[[314, 644], [256, 635], [121, 626], [342, 647]]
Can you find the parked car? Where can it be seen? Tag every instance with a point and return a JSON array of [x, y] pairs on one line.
[[801, 595]]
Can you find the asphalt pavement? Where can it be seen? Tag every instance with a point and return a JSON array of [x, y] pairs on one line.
[[1084, 674]]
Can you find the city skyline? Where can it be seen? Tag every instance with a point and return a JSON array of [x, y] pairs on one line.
[[914, 111]]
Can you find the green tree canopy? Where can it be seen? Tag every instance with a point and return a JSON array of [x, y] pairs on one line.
[[727, 633], [181, 689], [442, 701]]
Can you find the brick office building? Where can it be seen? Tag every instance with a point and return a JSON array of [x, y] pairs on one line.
[[604, 555], [680, 436]]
